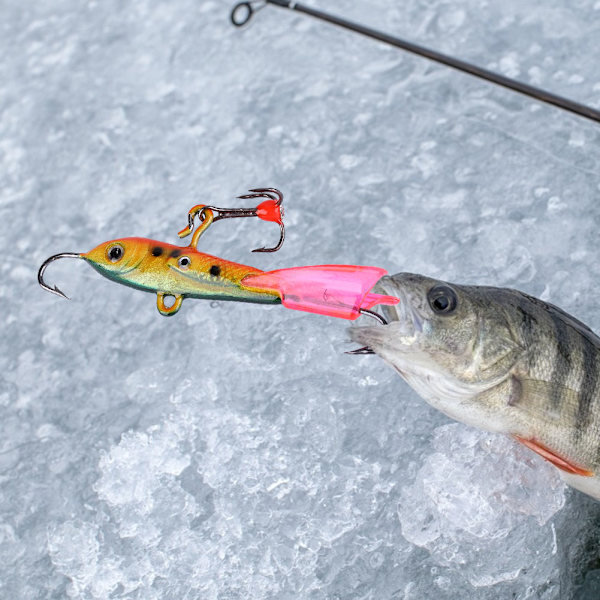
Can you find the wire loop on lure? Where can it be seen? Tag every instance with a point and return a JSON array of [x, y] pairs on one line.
[[243, 11], [269, 210], [55, 289]]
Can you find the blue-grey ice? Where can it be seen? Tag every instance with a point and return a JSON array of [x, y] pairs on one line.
[[233, 451]]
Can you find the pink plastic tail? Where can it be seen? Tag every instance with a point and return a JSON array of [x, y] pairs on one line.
[[332, 290]]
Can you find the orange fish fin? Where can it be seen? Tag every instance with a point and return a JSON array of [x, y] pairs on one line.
[[555, 459]]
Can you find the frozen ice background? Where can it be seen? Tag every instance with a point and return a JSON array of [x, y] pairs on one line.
[[234, 451]]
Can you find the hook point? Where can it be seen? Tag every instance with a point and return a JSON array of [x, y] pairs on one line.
[[358, 351], [56, 290]]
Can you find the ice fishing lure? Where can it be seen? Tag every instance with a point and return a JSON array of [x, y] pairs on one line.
[[180, 272]]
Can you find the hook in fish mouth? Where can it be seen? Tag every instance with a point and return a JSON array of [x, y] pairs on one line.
[[55, 289], [367, 349], [363, 350]]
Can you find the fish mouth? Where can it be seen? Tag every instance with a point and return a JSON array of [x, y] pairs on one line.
[[404, 312], [403, 328]]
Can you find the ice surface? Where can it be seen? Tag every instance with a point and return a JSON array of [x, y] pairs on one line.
[[234, 451], [457, 499]]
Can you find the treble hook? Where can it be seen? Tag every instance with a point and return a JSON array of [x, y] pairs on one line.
[[269, 210], [55, 289]]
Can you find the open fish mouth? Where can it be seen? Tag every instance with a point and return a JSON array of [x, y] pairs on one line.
[[396, 312], [404, 323], [405, 315]]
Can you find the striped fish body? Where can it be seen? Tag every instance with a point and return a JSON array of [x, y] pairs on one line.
[[500, 360]]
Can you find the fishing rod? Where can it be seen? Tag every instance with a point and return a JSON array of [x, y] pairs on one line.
[[243, 11]]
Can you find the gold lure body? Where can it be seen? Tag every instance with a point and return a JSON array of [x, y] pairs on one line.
[[180, 272], [174, 271]]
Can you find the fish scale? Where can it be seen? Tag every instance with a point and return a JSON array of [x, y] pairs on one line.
[[589, 383], [575, 364]]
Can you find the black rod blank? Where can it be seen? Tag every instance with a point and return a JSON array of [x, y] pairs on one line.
[[523, 88]]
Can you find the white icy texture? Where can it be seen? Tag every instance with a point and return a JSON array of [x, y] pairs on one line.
[[457, 501], [233, 451]]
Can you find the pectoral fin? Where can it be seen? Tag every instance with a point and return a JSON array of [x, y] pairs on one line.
[[558, 461], [545, 400]]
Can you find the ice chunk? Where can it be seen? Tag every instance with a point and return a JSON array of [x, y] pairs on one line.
[[479, 494]]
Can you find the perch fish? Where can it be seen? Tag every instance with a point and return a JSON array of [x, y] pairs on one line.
[[499, 360]]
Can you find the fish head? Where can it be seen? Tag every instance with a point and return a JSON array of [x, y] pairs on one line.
[[118, 259], [145, 264], [446, 340]]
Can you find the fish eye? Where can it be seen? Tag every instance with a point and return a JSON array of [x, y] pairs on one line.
[[442, 299], [115, 253], [184, 262]]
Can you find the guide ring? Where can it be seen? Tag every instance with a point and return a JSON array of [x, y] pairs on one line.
[[242, 13]]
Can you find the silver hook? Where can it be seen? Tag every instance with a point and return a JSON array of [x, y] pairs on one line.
[[277, 196], [55, 289], [372, 314], [377, 317]]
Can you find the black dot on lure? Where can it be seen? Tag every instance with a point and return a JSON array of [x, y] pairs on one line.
[[175, 253], [215, 270], [157, 251]]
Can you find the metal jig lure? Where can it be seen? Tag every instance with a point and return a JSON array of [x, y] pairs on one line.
[[180, 272], [167, 270]]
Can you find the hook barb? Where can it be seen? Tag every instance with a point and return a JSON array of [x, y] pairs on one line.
[[279, 243], [272, 193], [55, 289], [270, 210], [358, 351]]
